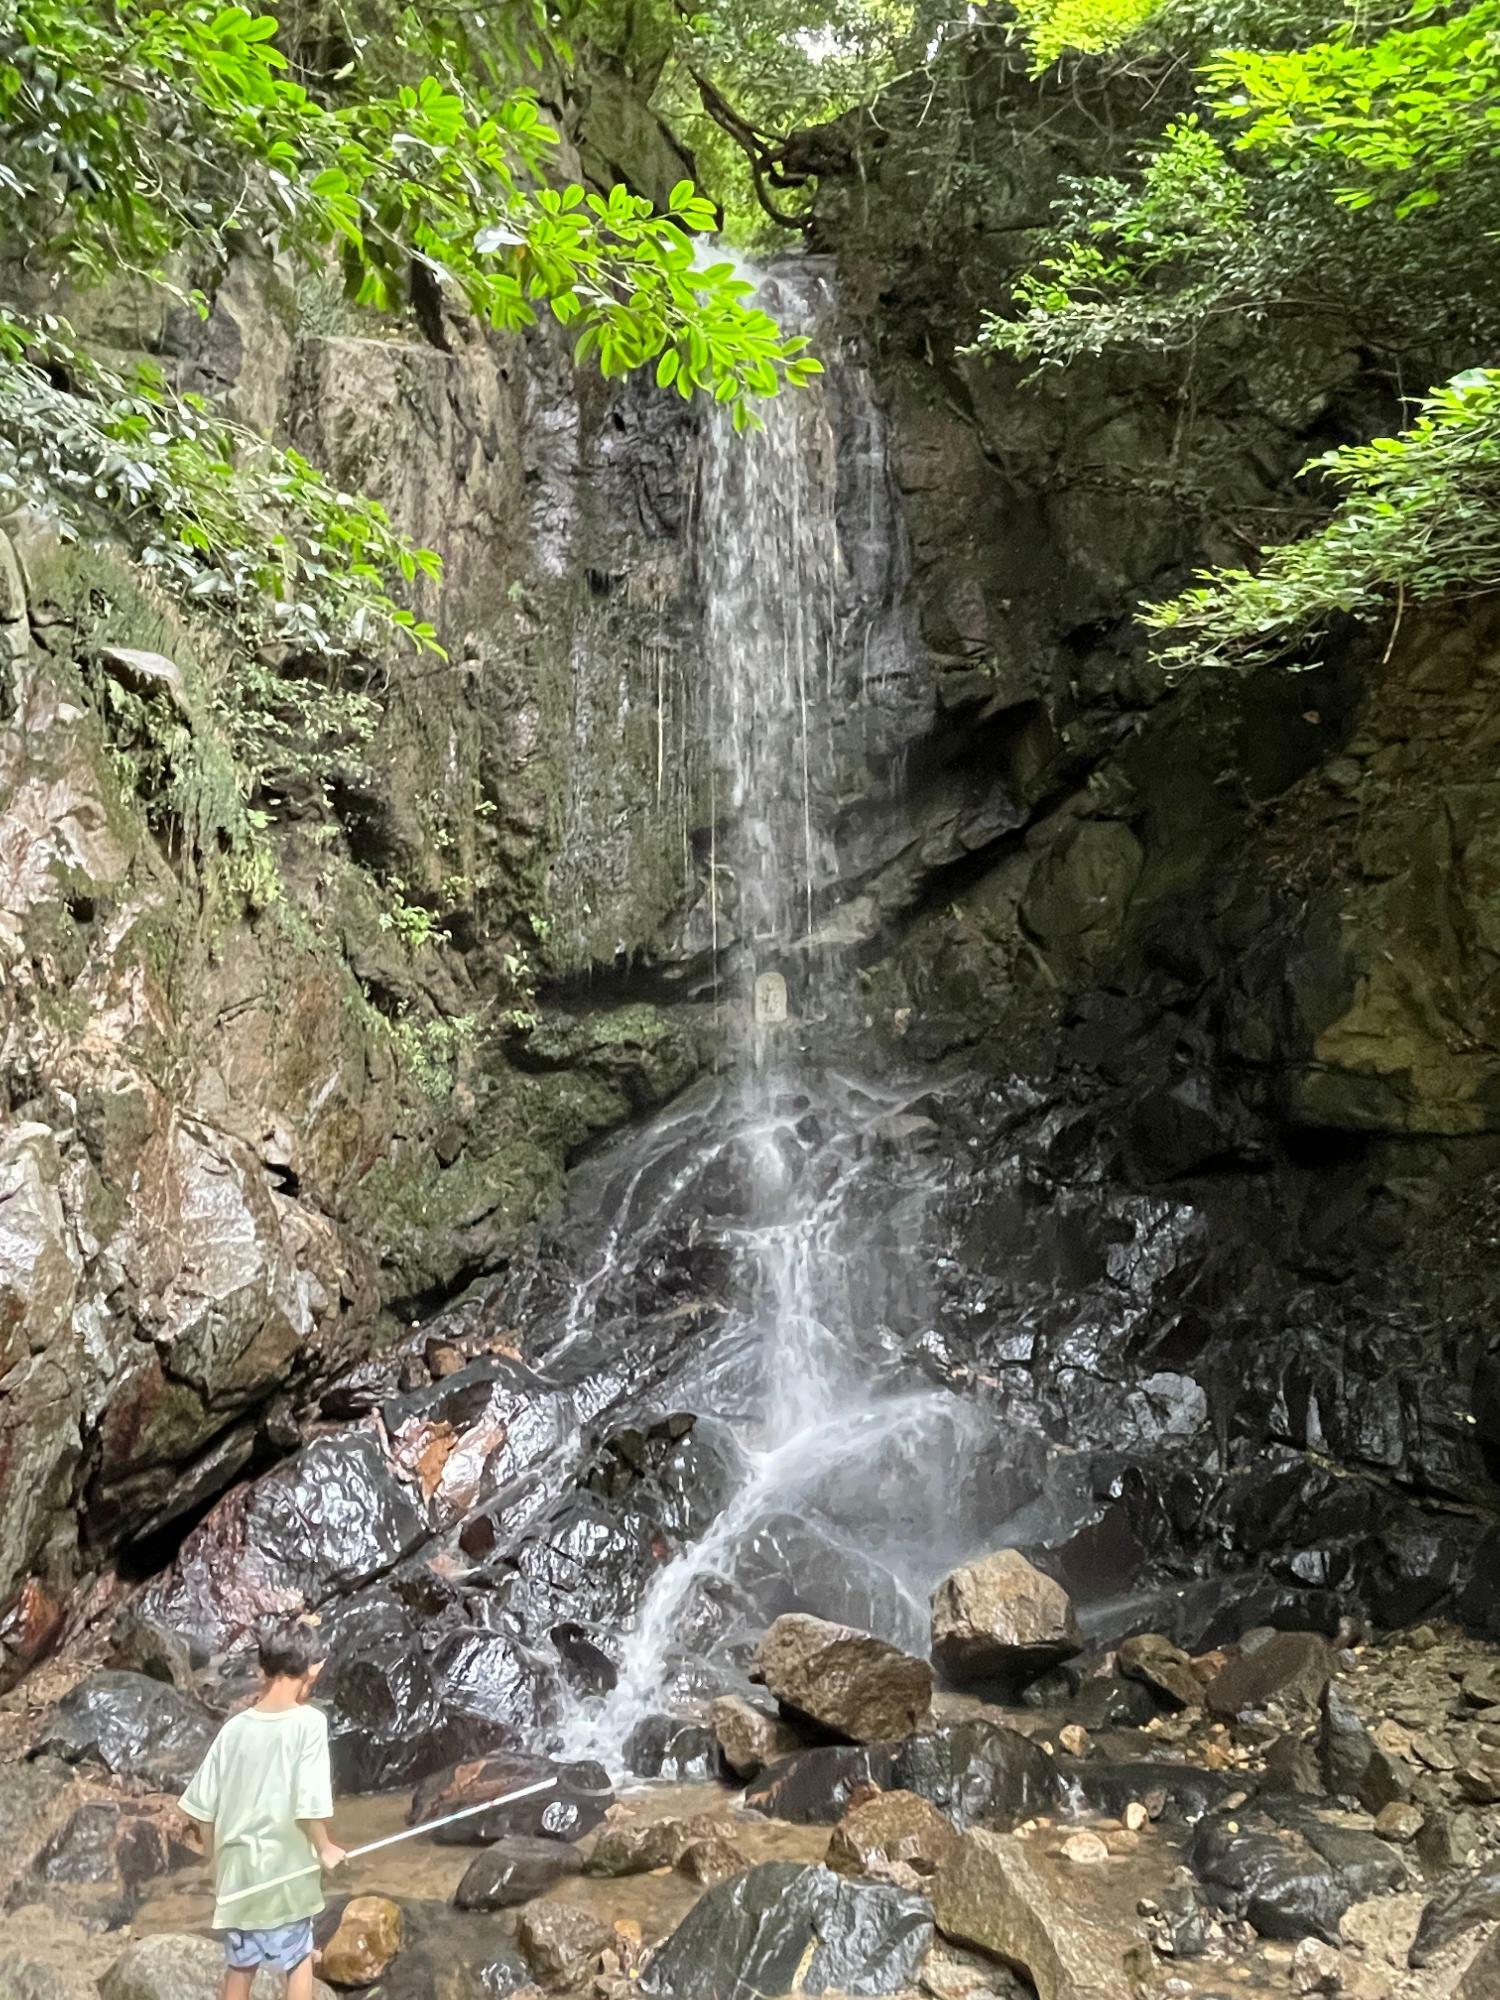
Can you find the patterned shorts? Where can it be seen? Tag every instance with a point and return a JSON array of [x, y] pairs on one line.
[[283, 1949]]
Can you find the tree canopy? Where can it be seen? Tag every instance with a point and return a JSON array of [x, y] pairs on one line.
[[1327, 168]]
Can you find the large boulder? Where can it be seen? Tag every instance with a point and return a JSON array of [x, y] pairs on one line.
[[173, 1967], [1001, 1619], [893, 1828], [1290, 1669], [1289, 1871], [817, 1787], [133, 1726], [845, 1682], [976, 1773], [574, 1800], [96, 1866], [1038, 1916], [515, 1870], [783, 1928]]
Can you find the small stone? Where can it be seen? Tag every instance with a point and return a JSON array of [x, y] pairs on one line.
[[1135, 1816], [1289, 1668], [367, 1939], [1480, 1783], [1316, 1967], [1074, 1738], [1421, 1638], [1392, 1738], [1085, 1848], [1399, 1821], [1434, 1754], [710, 1861], [1163, 1667]]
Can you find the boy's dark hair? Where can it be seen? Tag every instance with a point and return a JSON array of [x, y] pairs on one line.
[[288, 1651]]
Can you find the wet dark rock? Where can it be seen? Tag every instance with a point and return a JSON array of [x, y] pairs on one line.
[[1457, 1907], [574, 1801], [133, 1726], [450, 1954], [1001, 1619], [749, 1737], [815, 1787], [660, 1746], [1037, 1914], [976, 1773], [1162, 1667], [845, 1682], [781, 1928], [1179, 1793], [895, 1827], [95, 1867], [560, 1944], [1351, 1763], [1178, 1924], [1111, 1702], [514, 1870], [1289, 1668], [1481, 1980], [389, 1719], [492, 1684], [318, 1526], [1288, 1871], [586, 1666]]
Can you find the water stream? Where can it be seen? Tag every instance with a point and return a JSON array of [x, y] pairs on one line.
[[843, 1502]]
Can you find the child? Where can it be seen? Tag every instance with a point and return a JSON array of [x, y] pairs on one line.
[[266, 1790]]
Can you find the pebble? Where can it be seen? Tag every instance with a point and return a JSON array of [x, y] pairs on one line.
[[1316, 1967], [1135, 1816], [1085, 1848], [1074, 1738]]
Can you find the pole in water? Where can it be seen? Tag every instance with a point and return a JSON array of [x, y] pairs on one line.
[[391, 1840]]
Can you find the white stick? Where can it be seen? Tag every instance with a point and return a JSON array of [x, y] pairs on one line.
[[390, 1840]]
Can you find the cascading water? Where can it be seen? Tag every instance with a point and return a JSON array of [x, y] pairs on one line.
[[842, 1500]]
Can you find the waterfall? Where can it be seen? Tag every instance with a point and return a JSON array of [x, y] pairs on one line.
[[844, 1499]]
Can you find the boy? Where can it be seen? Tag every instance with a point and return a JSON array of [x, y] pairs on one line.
[[266, 1790]]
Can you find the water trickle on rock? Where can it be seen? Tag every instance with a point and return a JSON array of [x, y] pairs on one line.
[[843, 1499]]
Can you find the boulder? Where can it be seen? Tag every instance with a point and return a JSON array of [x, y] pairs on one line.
[[1287, 1870], [450, 1954], [637, 1849], [783, 1928], [1469, 1900], [365, 1939], [1039, 1917], [663, 1746], [575, 1801], [749, 1737], [1162, 1667], [844, 1681], [562, 1945], [516, 1869], [817, 1787], [174, 1967], [1001, 1619], [896, 1826], [1481, 1980], [95, 1867], [976, 1773], [133, 1726], [1178, 1793], [713, 1859], [1289, 1668], [1350, 1762]]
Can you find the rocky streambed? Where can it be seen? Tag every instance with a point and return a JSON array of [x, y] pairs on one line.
[[1290, 1813]]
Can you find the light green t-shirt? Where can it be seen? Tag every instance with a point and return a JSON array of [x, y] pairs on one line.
[[265, 1770]]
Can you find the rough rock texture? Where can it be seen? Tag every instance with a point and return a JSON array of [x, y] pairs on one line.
[[781, 1928], [1004, 1896], [364, 1941], [169, 1967], [896, 1827], [1290, 1669], [843, 1681], [748, 1737], [132, 1726], [1000, 1618]]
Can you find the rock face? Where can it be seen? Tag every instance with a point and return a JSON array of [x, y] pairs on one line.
[[132, 1726], [1000, 1894], [1001, 1619], [842, 1681], [781, 1928]]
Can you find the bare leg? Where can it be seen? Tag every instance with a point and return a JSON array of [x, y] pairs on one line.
[[299, 1981], [237, 1984]]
